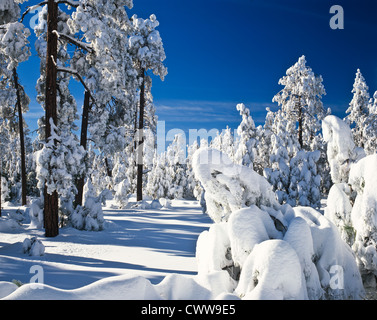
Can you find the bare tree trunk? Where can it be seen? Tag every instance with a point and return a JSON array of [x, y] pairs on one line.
[[1, 169], [83, 143], [51, 201], [300, 124], [22, 138], [139, 186]]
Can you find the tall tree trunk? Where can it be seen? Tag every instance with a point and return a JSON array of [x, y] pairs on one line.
[[108, 169], [22, 138], [1, 170], [300, 124], [83, 143], [51, 201], [139, 186]]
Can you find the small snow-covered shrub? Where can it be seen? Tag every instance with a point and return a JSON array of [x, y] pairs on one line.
[[338, 210], [272, 251], [340, 147], [36, 213], [122, 193], [228, 186], [33, 247], [90, 216]]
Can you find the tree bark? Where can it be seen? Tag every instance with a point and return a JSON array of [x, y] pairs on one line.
[[51, 201], [300, 122], [22, 138], [139, 186], [1, 169], [83, 143]]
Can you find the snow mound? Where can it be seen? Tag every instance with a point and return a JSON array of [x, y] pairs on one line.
[[8, 225], [6, 288], [272, 271], [120, 288]]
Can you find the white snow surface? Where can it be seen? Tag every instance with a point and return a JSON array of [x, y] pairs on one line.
[[141, 254]]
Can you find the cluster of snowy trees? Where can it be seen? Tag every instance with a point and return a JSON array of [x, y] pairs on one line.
[[266, 235], [112, 55]]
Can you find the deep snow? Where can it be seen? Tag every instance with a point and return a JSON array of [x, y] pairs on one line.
[[147, 243]]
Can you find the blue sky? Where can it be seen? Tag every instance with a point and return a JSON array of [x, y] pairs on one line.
[[223, 52]]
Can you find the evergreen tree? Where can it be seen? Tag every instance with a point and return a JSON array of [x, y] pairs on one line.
[[147, 52], [14, 49], [370, 127], [358, 111], [246, 148], [300, 101]]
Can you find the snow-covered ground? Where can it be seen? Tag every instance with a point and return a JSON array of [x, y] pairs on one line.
[[150, 243]]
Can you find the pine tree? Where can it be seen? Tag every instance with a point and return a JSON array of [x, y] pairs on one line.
[[370, 128], [14, 49], [246, 148], [300, 101], [358, 109], [147, 52], [176, 167]]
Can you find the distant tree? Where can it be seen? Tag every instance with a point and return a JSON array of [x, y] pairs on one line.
[[246, 147], [370, 128], [358, 110]]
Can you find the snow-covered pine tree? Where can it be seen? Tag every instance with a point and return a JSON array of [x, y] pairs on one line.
[[263, 151], [176, 169], [295, 127], [14, 49], [370, 128], [224, 142], [105, 67], [246, 131], [358, 111], [147, 51], [192, 188], [300, 101], [158, 179], [4, 140], [60, 161]]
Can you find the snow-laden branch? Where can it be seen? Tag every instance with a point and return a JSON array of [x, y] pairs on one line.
[[71, 3], [76, 74], [83, 45]]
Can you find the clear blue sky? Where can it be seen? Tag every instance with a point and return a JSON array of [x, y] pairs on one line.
[[223, 52]]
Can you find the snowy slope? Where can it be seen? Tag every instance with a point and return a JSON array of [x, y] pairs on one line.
[[151, 243]]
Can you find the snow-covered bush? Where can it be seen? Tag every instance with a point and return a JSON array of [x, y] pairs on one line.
[[271, 251], [122, 193], [340, 147], [90, 216], [338, 210], [36, 213], [4, 189], [228, 186], [33, 247], [363, 179]]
